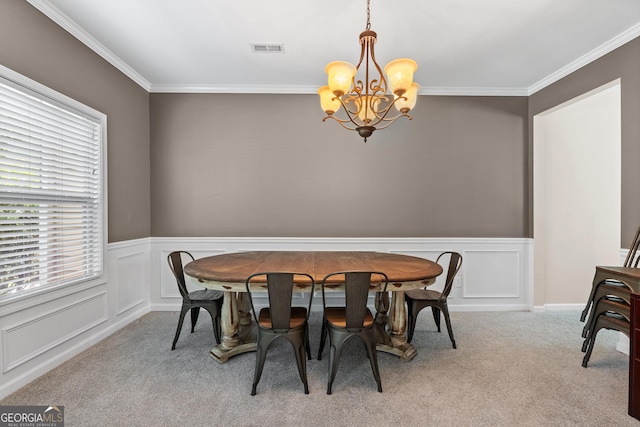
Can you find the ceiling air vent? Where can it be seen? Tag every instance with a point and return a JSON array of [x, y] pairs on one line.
[[267, 48]]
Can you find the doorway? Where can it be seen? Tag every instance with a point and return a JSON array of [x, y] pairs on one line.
[[577, 194]]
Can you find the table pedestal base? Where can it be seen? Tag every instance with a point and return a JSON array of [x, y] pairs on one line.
[[238, 332], [392, 342], [221, 355]]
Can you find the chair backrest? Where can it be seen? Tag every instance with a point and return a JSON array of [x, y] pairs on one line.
[[455, 262], [175, 264], [356, 292], [280, 292], [632, 260]]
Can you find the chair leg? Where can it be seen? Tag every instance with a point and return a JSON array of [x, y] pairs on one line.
[[195, 312], [323, 338], [370, 345], [447, 319], [307, 346], [299, 350], [592, 341], [261, 355], [436, 316], [584, 313], [217, 329], [411, 321], [334, 358], [215, 320], [183, 311]]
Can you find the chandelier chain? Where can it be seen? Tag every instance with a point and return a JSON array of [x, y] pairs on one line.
[[368, 16]]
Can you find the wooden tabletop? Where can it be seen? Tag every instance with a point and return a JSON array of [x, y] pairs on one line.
[[236, 267]]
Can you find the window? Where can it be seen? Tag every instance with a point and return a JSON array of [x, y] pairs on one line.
[[51, 188]]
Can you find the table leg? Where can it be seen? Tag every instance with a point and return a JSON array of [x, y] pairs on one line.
[[382, 319], [397, 343], [235, 323]]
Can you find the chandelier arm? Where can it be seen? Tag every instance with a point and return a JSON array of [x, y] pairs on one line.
[[382, 87], [391, 120], [382, 114], [351, 115], [341, 122]]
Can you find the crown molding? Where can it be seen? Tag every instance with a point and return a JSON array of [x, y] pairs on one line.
[[313, 90], [474, 91], [596, 53], [71, 27], [270, 89], [61, 19]]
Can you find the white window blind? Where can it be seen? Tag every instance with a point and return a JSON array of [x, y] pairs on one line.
[[51, 225]]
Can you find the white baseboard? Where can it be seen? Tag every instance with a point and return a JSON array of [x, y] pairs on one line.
[[559, 307]]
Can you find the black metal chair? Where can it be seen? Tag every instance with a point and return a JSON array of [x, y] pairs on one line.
[[280, 319], [352, 319], [417, 299], [208, 299]]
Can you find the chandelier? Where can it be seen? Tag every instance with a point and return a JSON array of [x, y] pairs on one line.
[[367, 103]]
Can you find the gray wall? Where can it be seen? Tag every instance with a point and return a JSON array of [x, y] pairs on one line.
[[623, 63], [33, 45], [266, 165]]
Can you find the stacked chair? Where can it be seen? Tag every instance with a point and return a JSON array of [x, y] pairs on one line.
[[608, 305]]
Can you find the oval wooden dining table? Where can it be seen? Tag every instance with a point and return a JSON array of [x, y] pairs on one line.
[[228, 273]]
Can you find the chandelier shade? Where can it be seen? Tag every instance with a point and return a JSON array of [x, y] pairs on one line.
[[365, 102], [408, 101], [341, 75], [400, 74]]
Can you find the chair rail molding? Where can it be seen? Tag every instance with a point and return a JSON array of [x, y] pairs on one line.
[[496, 273]]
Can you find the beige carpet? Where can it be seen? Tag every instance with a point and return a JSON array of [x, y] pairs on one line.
[[510, 369]]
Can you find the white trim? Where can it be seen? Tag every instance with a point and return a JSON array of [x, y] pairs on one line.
[[313, 90], [205, 88], [75, 30], [587, 58], [558, 307], [474, 91], [53, 317]]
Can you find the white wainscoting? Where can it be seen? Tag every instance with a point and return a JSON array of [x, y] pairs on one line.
[[496, 274], [41, 331]]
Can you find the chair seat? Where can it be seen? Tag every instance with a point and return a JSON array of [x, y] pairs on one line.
[[423, 294], [298, 317], [337, 316], [205, 295], [615, 321]]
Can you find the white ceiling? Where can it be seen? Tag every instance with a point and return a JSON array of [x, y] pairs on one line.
[[463, 47]]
